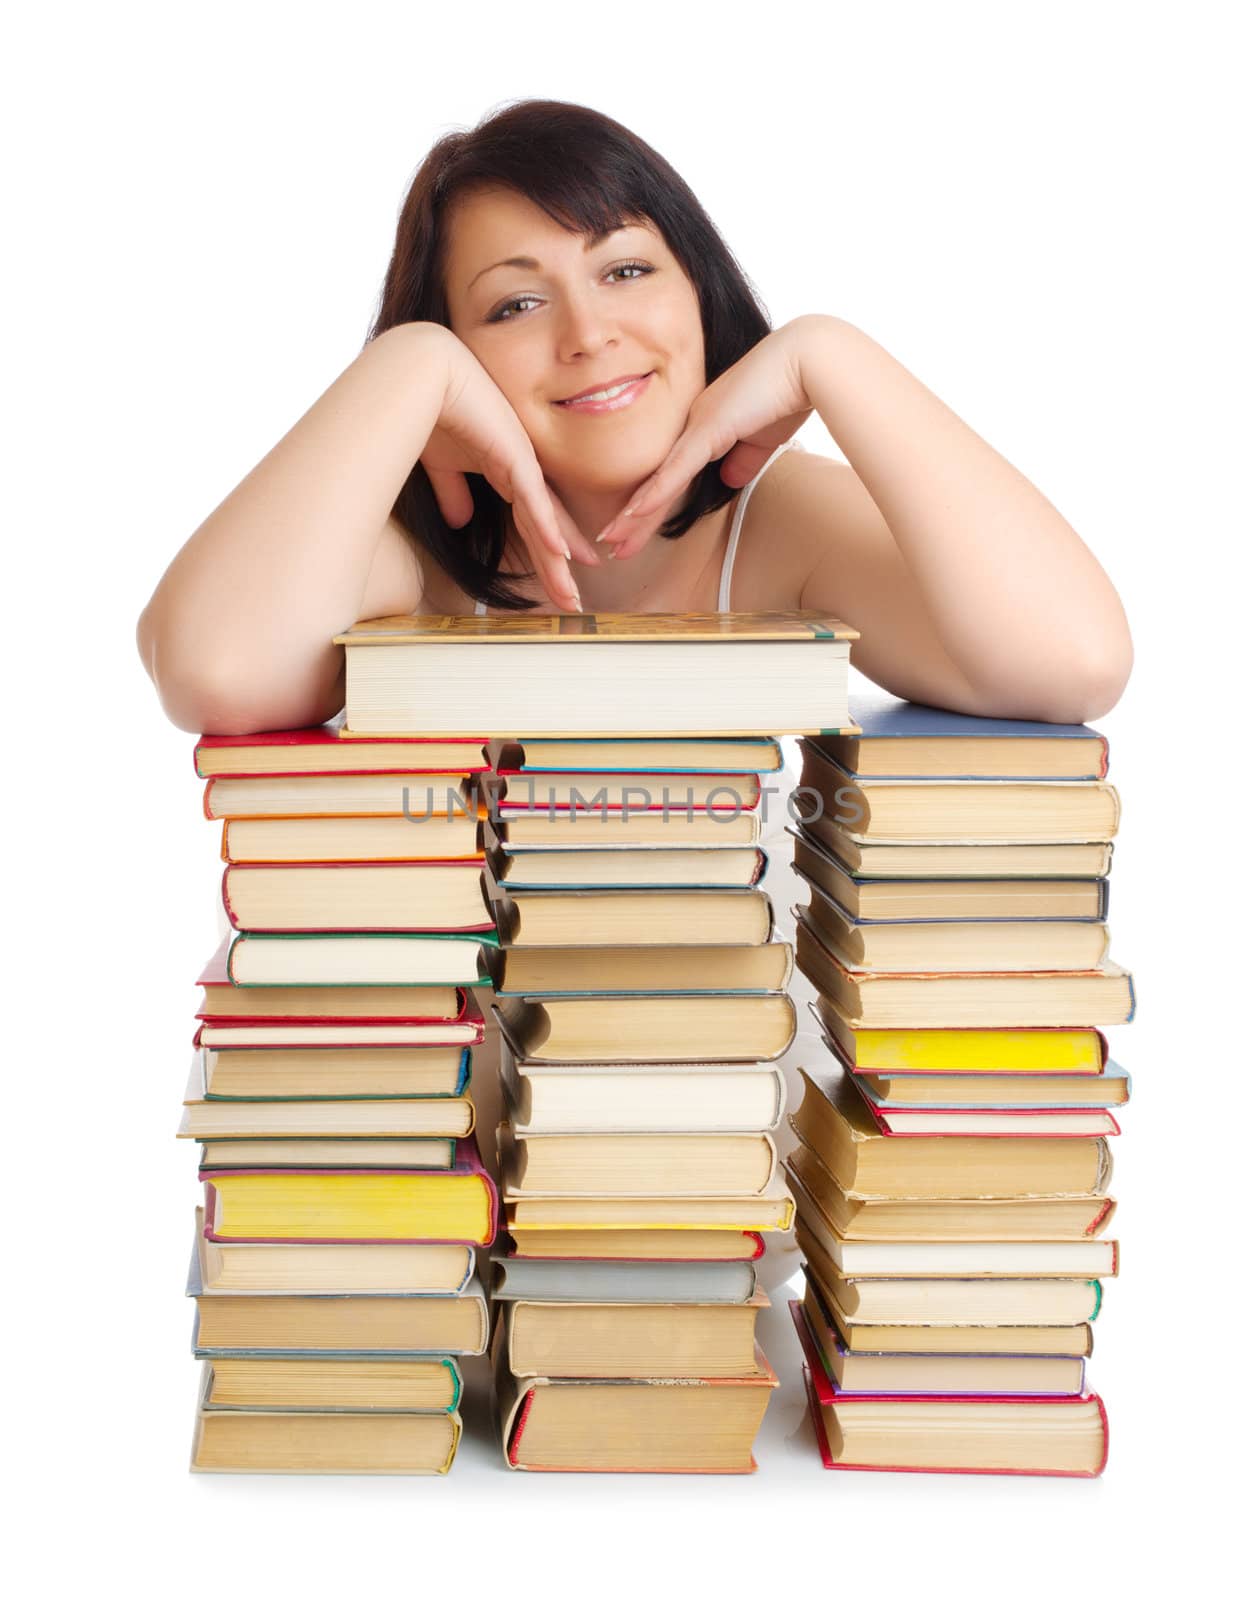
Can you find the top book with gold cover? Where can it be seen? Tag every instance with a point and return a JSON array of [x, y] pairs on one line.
[[704, 673]]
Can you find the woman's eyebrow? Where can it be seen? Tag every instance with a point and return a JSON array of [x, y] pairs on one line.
[[530, 264]]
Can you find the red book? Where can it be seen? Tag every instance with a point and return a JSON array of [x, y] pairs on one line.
[[293, 752]]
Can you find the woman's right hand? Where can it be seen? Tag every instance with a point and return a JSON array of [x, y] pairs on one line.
[[479, 431]]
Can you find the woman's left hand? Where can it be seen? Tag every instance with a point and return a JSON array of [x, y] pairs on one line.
[[751, 408]]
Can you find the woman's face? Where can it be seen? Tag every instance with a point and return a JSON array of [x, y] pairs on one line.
[[574, 318]]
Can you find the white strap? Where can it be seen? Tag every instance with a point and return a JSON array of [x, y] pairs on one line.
[[731, 550]]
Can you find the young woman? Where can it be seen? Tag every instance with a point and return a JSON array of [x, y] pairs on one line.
[[567, 397]]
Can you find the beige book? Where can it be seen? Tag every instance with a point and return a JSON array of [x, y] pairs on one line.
[[332, 1269], [638, 1244], [714, 868], [635, 916], [1024, 1217], [644, 1425], [413, 838], [646, 969], [313, 1385], [936, 811], [1067, 1436], [965, 899], [728, 1097], [375, 1323], [395, 794], [835, 1122], [649, 1028], [415, 896], [648, 831], [755, 1213], [642, 1340], [960, 860], [635, 1163], [591, 791], [346, 1072], [636, 755], [931, 999]]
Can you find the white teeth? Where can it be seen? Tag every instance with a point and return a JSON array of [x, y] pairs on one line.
[[602, 394]]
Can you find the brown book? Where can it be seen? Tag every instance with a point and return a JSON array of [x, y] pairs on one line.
[[643, 1340], [960, 860], [1039, 1217], [643, 969], [314, 1385], [645, 1425], [412, 1324], [727, 1027], [835, 1121], [936, 811], [926, 999]]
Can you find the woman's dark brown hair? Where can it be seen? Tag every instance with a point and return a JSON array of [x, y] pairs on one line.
[[590, 174]]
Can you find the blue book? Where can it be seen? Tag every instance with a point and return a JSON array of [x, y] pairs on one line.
[[901, 739]]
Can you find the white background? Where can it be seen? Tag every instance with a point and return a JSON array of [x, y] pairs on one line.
[[1041, 210]]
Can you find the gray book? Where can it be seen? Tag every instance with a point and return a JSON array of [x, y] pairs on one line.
[[582, 1282]]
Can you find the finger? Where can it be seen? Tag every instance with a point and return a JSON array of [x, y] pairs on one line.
[[453, 496], [628, 530], [577, 543], [552, 569]]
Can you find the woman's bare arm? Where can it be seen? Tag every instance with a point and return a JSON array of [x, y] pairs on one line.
[[971, 589]]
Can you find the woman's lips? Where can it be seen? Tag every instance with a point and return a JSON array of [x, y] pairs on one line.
[[616, 402]]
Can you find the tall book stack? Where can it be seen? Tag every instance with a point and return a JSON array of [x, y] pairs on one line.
[[641, 1002], [952, 1175], [333, 1266]]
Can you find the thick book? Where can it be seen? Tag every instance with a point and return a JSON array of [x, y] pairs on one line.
[[833, 1119], [357, 897], [933, 900], [961, 859], [837, 1371], [944, 945], [710, 1282], [378, 1442], [686, 1245], [953, 1302], [610, 673], [649, 1028], [455, 1206], [947, 811], [1090, 998], [370, 960], [1083, 1216], [605, 1424], [631, 1339], [1061, 1436], [406, 795], [650, 917], [719, 1097], [964, 1052], [903, 739], [345, 1072], [952, 1258], [459, 836], [618, 969], [333, 1269], [294, 1323], [635, 1163], [320, 750], [333, 1383]]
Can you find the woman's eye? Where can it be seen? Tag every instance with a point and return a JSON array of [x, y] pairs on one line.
[[506, 312]]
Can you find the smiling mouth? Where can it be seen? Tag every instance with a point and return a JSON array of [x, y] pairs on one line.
[[613, 397]]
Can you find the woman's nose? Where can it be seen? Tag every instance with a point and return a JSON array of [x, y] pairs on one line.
[[585, 329]]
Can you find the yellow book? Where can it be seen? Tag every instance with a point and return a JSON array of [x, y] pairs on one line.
[[421, 1206], [962, 1050]]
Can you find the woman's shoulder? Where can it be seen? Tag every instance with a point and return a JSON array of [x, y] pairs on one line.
[[800, 505]]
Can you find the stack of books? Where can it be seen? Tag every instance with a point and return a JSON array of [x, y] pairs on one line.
[[952, 1177], [333, 1267], [641, 1002]]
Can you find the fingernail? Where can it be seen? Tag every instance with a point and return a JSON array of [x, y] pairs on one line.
[[567, 552], [605, 532]]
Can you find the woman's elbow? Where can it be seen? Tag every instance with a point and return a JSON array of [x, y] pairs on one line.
[[1094, 684]]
